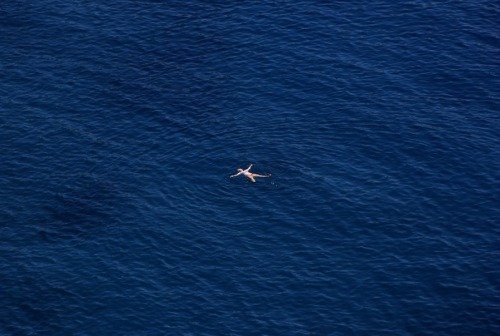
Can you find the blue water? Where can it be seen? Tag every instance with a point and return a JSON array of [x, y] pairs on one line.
[[122, 122]]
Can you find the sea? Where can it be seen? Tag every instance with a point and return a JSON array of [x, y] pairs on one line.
[[121, 123]]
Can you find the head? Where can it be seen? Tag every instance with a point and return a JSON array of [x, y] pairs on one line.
[[240, 170]]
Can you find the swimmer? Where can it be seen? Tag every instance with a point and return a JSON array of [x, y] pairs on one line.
[[247, 173]]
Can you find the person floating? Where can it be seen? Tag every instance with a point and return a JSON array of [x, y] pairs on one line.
[[247, 173]]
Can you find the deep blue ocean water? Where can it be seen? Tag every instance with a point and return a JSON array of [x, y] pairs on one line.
[[122, 122]]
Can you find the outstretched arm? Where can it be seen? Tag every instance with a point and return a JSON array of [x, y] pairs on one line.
[[251, 165], [236, 174]]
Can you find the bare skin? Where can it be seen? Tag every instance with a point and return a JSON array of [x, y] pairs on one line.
[[247, 173]]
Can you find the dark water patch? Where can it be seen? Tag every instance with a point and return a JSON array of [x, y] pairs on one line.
[[80, 209]]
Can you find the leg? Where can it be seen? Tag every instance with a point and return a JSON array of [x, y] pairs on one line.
[[258, 175]]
